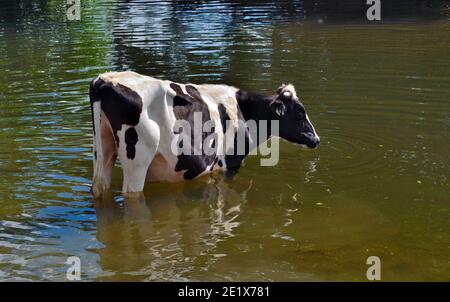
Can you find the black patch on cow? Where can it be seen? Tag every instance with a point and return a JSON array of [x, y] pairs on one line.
[[255, 106], [184, 107], [224, 117], [233, 161], [179, 101], [220, 163], [214, 163], [93, 97], [131, 139], [120, 104]]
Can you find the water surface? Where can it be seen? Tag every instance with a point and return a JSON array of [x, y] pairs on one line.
[[378, 95]]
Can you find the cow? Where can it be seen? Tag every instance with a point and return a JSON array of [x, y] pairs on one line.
[[134, 118]]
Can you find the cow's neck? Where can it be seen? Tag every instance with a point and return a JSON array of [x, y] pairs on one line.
[[256, 106], [253, 106]]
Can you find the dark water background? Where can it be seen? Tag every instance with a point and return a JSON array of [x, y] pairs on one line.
[[378, 94]]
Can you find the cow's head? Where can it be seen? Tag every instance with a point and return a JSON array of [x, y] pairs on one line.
[[295, 125]]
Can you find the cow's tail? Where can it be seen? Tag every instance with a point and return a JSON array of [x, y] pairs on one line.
[[98, 182]]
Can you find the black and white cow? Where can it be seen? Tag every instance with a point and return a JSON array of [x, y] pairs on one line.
[[134, 118]]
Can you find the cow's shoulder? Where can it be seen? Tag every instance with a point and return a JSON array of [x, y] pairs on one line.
[[222, 98], [187, 102], [230, 116], [219, 94]]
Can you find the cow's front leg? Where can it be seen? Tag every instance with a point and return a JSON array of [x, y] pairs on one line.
[[233, 164], [137, 148], [229, 174]]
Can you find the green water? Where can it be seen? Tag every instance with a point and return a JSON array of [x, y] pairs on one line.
[[378, 95]]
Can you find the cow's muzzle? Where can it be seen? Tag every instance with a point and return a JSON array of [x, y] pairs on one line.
[[311, 140]]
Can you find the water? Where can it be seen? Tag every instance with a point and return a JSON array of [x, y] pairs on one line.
[[378, 95]]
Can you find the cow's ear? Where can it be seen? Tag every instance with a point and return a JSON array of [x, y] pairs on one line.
[[280, 89], [287, 92], [278, 107]]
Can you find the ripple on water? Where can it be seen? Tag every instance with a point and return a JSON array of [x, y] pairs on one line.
[[354, 152]]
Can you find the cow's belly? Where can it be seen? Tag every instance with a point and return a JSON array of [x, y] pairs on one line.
[[161, 170]]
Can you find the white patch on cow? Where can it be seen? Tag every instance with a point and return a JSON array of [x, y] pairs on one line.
[[288, 91], [221, 94], [183, 89], [312, 126]]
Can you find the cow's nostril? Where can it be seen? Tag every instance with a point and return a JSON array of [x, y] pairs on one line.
[[311, 140], [315, 140]]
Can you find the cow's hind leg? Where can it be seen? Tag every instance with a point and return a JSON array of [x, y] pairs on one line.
[[105, 156], [109, 150], [137, 148]]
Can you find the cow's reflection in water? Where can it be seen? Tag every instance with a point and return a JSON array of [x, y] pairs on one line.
[[165, 233]]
